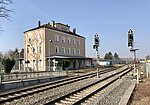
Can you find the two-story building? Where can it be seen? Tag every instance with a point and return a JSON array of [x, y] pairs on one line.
[[49, 45]]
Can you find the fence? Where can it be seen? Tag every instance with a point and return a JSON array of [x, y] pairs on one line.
[[31, 75]]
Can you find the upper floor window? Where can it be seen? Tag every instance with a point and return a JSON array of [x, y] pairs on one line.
[[69, 51], [73, 41], [78, 42], [57, 38], [27, 50], [63, 50], [78, 51], [69, 41], [73, 51], [33, 50], [57, 49], [29, 40], [40, 49], [63, 39]]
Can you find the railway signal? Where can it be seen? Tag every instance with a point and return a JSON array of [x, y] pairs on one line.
[[132, 49], [130, 38], [96, 46], [96, 42]]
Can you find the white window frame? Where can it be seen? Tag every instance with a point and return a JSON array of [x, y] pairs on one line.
[[63, 50], [57, 49], [78, 42], [69, 51], [63, 39], [68, 40], [73, 41], [56, 38], [74, 51], [33, 50], [78, 51], [40, 49]]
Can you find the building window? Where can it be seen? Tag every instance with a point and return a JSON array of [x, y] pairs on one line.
[[33, 64], [56, 38], [69, 51], [73, 41], [63, 39], [33, 50], [73, 51], [69, 41], [78, 51], [57, 49], [40, 62], [29, 40], [78, 42], [63, 50], [40, 49], [27, 50]]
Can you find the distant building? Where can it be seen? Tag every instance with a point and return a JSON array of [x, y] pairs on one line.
[[102, 62], [54, 42]]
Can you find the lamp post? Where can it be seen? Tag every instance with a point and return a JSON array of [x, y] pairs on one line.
[[50, 41]]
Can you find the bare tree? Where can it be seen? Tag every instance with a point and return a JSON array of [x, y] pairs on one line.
[[4, 10], [35, 44]]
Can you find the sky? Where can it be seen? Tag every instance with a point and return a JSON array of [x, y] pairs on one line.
[[111, 19]]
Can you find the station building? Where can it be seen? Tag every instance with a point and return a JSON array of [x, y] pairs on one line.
[[48, 46]]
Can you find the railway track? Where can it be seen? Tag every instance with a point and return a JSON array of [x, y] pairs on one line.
[[79, 96], [14, 95]]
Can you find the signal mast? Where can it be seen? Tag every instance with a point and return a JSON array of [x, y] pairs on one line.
[[96, 47]]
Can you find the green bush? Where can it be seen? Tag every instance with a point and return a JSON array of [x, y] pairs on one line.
[[66, 64], [8, 64]]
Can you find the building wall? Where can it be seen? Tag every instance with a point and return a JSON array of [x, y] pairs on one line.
[[51, 35], [34, 40]]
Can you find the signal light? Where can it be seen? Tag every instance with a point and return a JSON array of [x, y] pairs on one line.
[[130, 38]]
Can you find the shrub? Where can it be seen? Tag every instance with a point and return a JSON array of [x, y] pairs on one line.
[[8, 64]]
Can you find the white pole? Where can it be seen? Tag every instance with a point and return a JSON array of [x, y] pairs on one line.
[[137, 76], [97, 64], [147, 69]]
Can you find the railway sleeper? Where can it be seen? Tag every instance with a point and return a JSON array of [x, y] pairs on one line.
[[16, 94], [4, 98], [74, 97], [66, 102], [59, 104], [70, 99], [11, 96]]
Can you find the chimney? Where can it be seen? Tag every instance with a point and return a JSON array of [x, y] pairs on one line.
[[74, 30], [53, 23], [39, 23]]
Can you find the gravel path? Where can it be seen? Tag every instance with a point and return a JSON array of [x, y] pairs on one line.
[[112, 94], [141, 94]]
